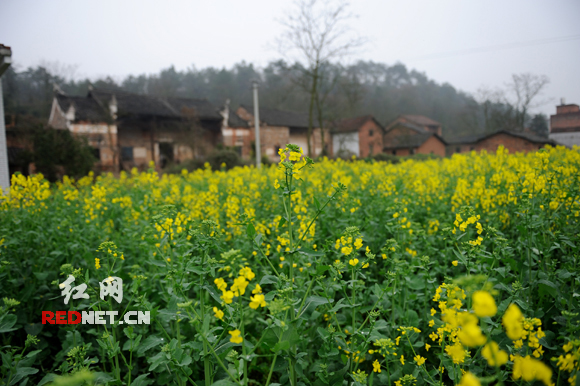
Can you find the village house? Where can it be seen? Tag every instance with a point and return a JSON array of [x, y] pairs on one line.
[[361, 136], [565, 125], [277, 128], [129, 130], [514, 142], [413, 134]]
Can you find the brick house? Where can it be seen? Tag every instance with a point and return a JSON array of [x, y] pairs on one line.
[[128, 130], [426, 124], [361, 136], [514, 142], [403, 137], [278, 128], [565, 125]]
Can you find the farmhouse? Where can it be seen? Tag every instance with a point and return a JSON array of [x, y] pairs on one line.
[[565, 125], [278, 128], [414, 134], [514, 142], [361, 136], [128, 130]]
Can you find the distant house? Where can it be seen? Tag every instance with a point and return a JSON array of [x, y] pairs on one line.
[[426, 124], [514, 142], [279, 127], [419, 135], [565, 125], [128, 130], [361, 136], [236, 133]]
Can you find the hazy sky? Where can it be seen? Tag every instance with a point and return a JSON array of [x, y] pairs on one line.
[[122, 37]]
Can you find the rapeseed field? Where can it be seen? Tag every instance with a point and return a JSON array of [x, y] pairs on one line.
[[459, 271]]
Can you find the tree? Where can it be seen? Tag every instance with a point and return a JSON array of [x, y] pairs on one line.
[[317, 32], [539, 125], [526, 87]]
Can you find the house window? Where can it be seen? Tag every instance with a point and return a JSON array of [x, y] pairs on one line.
[[412, 151], [371, 132], [127, 153], [471, 148], [371, 148], [394, 152], [458, 149], [97, 153]]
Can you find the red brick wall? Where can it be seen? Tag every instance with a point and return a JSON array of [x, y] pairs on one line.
[[432, 145], [565, 122], [272, 137], [365, 140], [564, 109], [513, 144], [396, 132]]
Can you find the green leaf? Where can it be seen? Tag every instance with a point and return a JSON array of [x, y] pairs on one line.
[[250, 230], [47, 378], [268, 279], [284, 345], [103, 378], [338, 306], [316, 203], [6, 322], [320, 269], [310, 252], [22, 372], [142, 380], [149, 343], [282, 222]]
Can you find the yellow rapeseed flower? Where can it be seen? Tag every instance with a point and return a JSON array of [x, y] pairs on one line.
[[529, 369], [495, 357], [513, 322], [358, 243], [236, 338], [227, 296], [376, 366], [218, 313], [257, 301], [97, 263], [469, 379], [353, 262], [483, 304], [454, 262], [419, 359]]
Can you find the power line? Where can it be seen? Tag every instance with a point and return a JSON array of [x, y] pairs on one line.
[[497, 47]]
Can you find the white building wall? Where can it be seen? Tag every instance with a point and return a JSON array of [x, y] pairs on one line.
[[567, 139], [345, 141]]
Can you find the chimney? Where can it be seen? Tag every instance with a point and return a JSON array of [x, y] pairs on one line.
[[225, 113], [562, 101], [113, 107]]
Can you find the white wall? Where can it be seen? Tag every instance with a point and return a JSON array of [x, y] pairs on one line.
[[345, 141], [568, 139]]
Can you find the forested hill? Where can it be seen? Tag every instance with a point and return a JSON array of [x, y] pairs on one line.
[[361, 88]]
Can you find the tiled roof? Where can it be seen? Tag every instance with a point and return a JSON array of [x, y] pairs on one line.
[[234, 120], [408, 125], [421, 120], [411, 141], [353, 124], [528, 136], [86, 109], [274, 117], [135, 104], [202, 107]]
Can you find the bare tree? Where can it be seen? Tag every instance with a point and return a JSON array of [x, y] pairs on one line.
[[526, 88], [317, 33]]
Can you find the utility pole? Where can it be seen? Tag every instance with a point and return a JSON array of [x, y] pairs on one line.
[[257, 125], [5, 61]]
